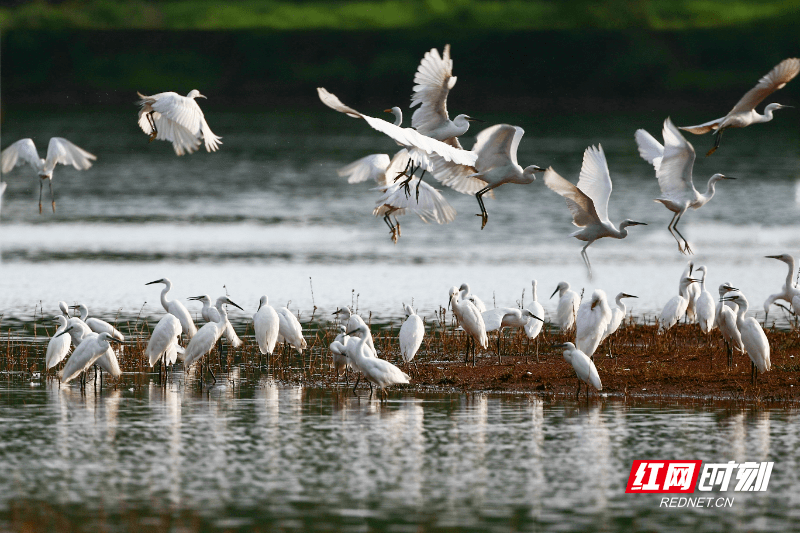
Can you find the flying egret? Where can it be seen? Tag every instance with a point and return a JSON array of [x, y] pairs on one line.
[[205, 339], [788, 291], [164, 341], [466, 294], [674, 173], [692, 293], [744, 112], [584, 368], [97, 325], [434, 79], [726, 322], [588, 201], [470, 320], [92, 347], [753, 337], [411, 334], [177, 119], [77, 327], [617, 316], [339, 352], [266, 325], [176, 308], [591, 322], [534, 327], [59, 150], [676, 307], [705, 304], [496, 165], [58, 347], [377, 371], [568, 302], [210, 313], [289, 329]]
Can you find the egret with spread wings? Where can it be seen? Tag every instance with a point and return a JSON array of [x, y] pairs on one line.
[[59, 150], [177, 119], [673, 163], [588, 201], [496, 165], [744, 112]]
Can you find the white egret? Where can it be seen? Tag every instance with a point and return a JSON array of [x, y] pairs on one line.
[[177, 119], [617, 316], [377, 371], [676, 307], [92, 347], [753, 338], [176, 308], [692, 293], [584, 368], [339, 352], [58, 347], [77, 327], [411, 334], [97, 325], [674, 173], [289, 329], [726, 322], [470, 320], [788, 291], [744, 113], [534, 326], [210, 313], [588, 201], [434, 79], [568, 302], [591, 322], [506, 317], [59, 150], [705, 304], [352, 321], [466, 294], [164, 341], [266, 325], [205, 339], [496, 165]]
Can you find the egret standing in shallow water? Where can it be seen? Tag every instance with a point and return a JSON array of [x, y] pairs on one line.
[[378, 371], [177, 119], [568, 302], [205, 339], [164, 341], [591, 322], [176, 308], [588, 201], [58, 347], [339, 353], [674, 173], [266, 325], [59, 150], [470, 320], [411, 334], [753, 338], [97, 325], [289, 329], [91, 348], [210, 313], [584, 368], [744, 113], [726, 322]]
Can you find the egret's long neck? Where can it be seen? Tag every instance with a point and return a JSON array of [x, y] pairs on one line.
[[740, 314], [535, 295], [766, 117], [684, 290], [789, 281], [398, 116], [164, 291], [710, 190], [621, 306], [84, 312]]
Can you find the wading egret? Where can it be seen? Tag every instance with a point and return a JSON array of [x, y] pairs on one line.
[[534, 327], [210, 313], [584, 368], [59, 150], [470, 320], [674, 173], [705, 304], [411, 334], [466, 294], [617, 316], [676, 307], [58, 347], [377, 371], [266, 325], [591, 322], [496, 165], [753, 337], [92, 347], [97, 325], [339, 352], [177, 119], [568, 302], [506, 317], [434, 79], [588, 201], [692, 293], [788, 291], [77, 328], [289, 329], [726, 322], [205, 339], [352, 321], [164, 341], [176, 308], [744, 113]]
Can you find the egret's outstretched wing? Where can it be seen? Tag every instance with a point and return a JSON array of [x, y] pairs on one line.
[[372, 167], [434, 79], [675, 171], [179, 120], [460, 178], [22, 151], [774, 80], [705, 127], [403, 136], [649, 148], [431, 207], [62, 151], [595, 180], [580, 205]]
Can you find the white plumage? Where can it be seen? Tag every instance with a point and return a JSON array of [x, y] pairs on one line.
[[339, 351], [675, 308], [594, 315], [177, 119], [58, 347], [584, 368], [377, 371], [567, 309], [692, 293], [176, 308], [617, 315], [77, 328], [97, 325], [726, 322], [411, 334], [753, 337], [164, 340], [266, 325], [92, 347], [705, 309], [290, 330], [205, 339], [470, 320], [466, 294], [788, 292], [534, 327], [210, 313]]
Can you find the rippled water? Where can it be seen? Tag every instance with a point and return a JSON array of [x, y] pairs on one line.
[[267, 456], [268, 212]]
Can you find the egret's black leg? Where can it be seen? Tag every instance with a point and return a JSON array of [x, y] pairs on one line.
[[40, 196], [687, 250], [717, 139], [483, 214], [153, 129]]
